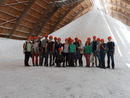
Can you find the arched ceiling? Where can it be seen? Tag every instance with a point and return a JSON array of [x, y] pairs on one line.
[[22, 18]]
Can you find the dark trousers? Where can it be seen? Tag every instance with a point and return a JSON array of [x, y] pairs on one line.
[[71, 59], [44, 56], [49, 53], [66, 59], [54, 57], [102, 56], [27, 56], [80, 60], [110, 55], [94, 58]]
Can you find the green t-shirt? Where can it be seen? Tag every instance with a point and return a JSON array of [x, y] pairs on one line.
[[88, 49], [72, 48], [29, 47]]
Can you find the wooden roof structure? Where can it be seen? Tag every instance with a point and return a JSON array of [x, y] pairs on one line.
[[22, 18]]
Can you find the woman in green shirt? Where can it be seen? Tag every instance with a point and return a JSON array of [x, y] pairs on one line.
[[87, 52], [72, 50]]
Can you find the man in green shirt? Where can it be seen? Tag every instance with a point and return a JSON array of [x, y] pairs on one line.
[[72, 50], [27, 49]]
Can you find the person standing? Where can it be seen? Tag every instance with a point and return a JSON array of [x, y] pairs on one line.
[[35, 52], [80, 48], [40, 49], [87, 52], [50, 50], [110, 53], [55, 49], [76, 43], [44, 53], [97, 50], [102, 53], [66, 52], [27, 49], [94, 53], [72, 52]]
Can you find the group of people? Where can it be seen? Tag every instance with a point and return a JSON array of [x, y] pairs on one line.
[[46, 52]]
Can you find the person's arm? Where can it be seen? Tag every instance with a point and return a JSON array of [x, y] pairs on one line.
[[24, 46], [46, 47]]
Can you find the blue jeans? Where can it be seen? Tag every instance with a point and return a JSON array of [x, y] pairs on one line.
[[110, 55], [102, 56]]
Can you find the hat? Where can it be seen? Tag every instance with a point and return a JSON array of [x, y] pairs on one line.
[[98, 39], [34, 37], [59, 39], [51, 37], [55, 38], [72, 40], [102, 40], [94, 37], [60, 49], [29, 37], [87, 41], [109, 37], [89, 38], [79, 40], [76, 38], [66, 39], [45, 35]]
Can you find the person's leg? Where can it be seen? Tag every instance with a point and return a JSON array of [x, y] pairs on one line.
[[25, 59], [33, 59], [46, 59], [70, 63], [108, 60], [95, 56], [36, 59], [65, 59], [51, 53], [112, 60], [81, 59], [89, 60], [103, 60], [73, 56], [86, 59], [92, 58]]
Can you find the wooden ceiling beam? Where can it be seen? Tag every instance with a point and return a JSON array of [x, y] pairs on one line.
[[80, 11], [120, 13], [43, 15], [126, 1], [120, 6], [31, 2], [46, 20], [65, 14]]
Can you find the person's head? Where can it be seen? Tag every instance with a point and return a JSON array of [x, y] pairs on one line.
[[89, 39], [76, 39], [55, 38], [98, 40], [72, 41], [102, 40], [59, 39], [69, 39], [39, 38], [80, 42], [87, 43], [29, 39], [50, 37], [66, 40], [94, 38], [34, 39], [60, 50], [109, 38], [46, 36]]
